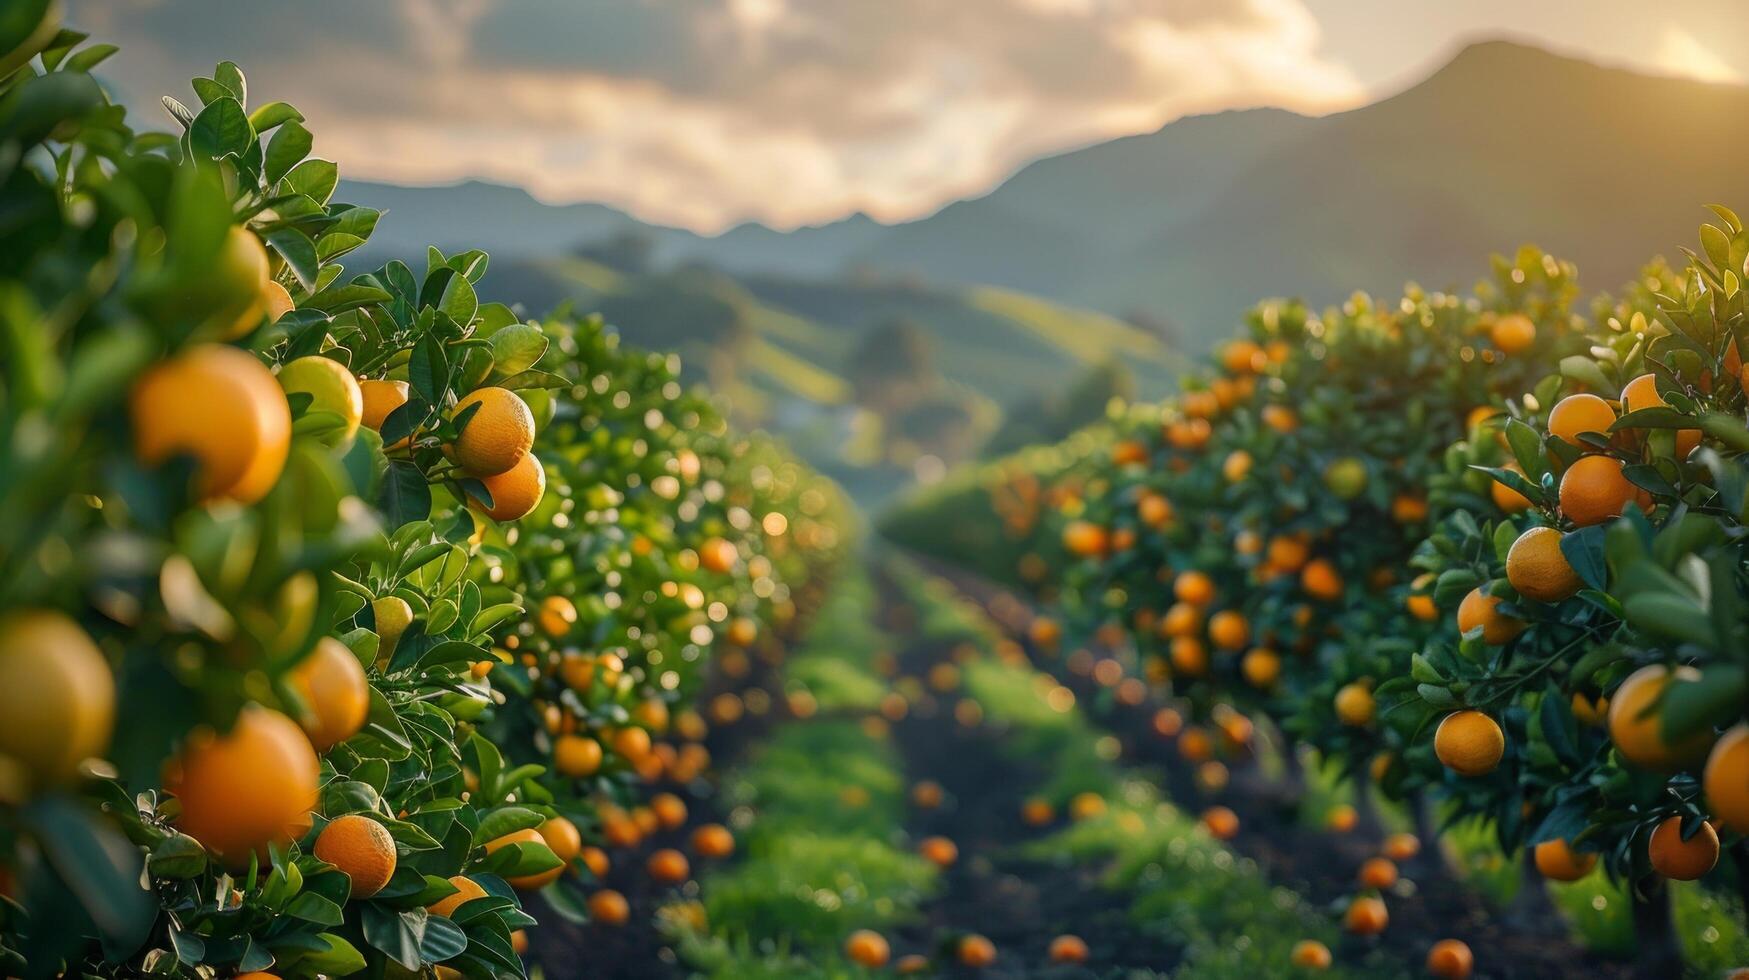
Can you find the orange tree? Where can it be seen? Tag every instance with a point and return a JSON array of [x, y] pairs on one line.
[[1601, 602], [245, 497]]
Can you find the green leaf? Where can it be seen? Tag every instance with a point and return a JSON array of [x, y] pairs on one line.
[[491, 616], [288, 147], [428, 369], [177, 856], [273, 114], [405, 496], [516, 348], [1700, 705], [338, 299], [505, 820], [396, 935], [1584, 550], [219, 129], [443, 940], [315, 179], [1670, 614], [336, 958], [97, 865]]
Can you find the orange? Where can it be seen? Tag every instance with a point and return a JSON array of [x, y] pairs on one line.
[[59, 695], [652, 715], [1086, 806], [1261, 667], [1236, 466], [1469, 743], [1212, 776], [528, 835], [1194, 587], [1085, 539], [467, 889], [556, 616], [670, 810], [498, 435], [562, 838], [1195, 746], [1189, 656], [1320, 580], [1575, 414], [381, 397], [1167, 722], [718, 555], [911, 964], [1128, 452], [1154, 510], [1507, 499], [1280, 418], [247, 788], [1220, 822], [331, 387], [1380, 873], [867, 948], [360, 847], [1067, 949], [1242, 357], [1635, 726], [335, 692], [1683, 860], [939, 851], [1642, 392], [1037, 812], [713, 840], [631, 743], [1402, 847], [1557, 861], [1288, 554], [1593, 490], [976, 952], [1589, 711], [1342, 818], [514, 492], [1421, 607], [242, 264], [221, 407], [1310, 954], [1408, 508], [1354, 705], [1538, 570], [393, 615], [668, 866], [1479, 609], [576, 756], [1512, 333], [1726, 779], [1182, 619], [595, 859], [1450, 959], [609, 908], [1366, 916], [1229, 630], [926, 794]]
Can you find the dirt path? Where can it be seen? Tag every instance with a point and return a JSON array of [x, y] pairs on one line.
[[1317, 864]]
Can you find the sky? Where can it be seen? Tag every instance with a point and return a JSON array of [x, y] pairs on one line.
[[708, 113]]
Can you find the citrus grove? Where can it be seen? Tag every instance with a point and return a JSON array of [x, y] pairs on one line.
[[350, 621], [1483, 553]]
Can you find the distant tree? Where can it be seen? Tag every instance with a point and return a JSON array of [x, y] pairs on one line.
[[892, 367], [1052, 417]]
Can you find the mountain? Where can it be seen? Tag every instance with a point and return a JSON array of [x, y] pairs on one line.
[[1186, 226]]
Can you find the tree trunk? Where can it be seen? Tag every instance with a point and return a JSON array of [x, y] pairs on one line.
[[1427, 828], [1658, 954], [1366, 809], [1293, 771], [1531, 908]]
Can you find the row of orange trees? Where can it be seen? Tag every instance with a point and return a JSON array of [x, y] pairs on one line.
[[339, 607], [1488, 549]]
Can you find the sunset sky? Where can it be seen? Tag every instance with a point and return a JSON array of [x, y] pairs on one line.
[[705, 113]]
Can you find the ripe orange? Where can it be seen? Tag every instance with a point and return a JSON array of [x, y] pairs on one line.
[[1194, 745], [1229, 630], [1085, 539], [1593, 490], [1354, 705], [1287, 554], [1167, 722], [595, 859], [1067, 949], [335, 692], [1189, 657], [331, 387], [1220, 822], [1683, 860], [1421, 607], [1320, 580], [609, 908], [516, 491], [1154, 510], [1469, 743], [652, 715], [562, 838], [1575, 414], [1450, 959], [247, 788], [360, 847], [1402, 847], [220, 406], [467, 889], [382, 396], [1086, 806], [911, 964], [556, 616], [1236, 466], [1480, 609], [1261, 667], [498, 435], [713, 840], [1182, 619], [1538, 570], [1310, 954], [1557, 861], [927, 794], [1636, 727], [1129, 452], [528, 835], [1512, 333], [668, 866], [1408, 508], [1194, 587], [1589, 711], [939, 851], [867, 948], [670, 810], [1507, 499], [631, 743], [1243, 357], [718, 555], [1366, 916], [1378, 872], [1642, 392], [58, 699], [1280, 418], [1726, 779], [1342, 818], [976, 952], [576, 756]]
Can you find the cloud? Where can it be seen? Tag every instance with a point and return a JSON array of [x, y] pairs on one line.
[[707, 112], [1681, 53]]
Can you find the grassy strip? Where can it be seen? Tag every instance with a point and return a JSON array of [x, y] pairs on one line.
[[817, 805]]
